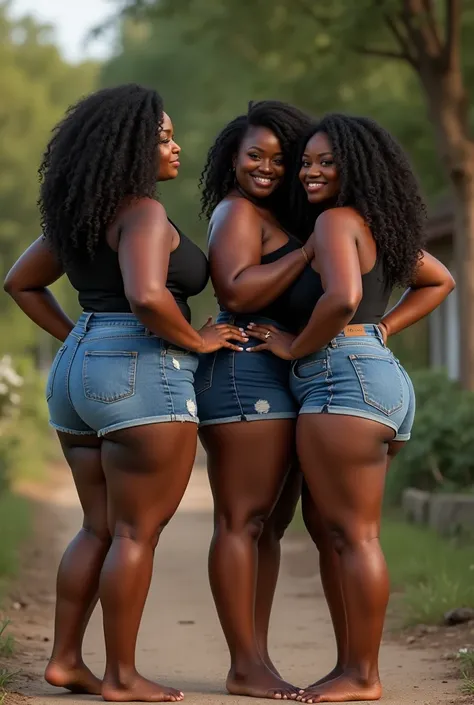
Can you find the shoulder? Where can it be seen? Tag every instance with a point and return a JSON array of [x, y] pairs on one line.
[[234, 209], [343, 216], [142, 212]]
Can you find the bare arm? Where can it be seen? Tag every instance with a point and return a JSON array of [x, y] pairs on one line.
[[431, 285], [144, 252], [241, 283], [338, 264], [27, 283]]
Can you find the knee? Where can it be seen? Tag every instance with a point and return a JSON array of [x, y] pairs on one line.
[[240, 523], [140, 533], [352, 535], [98, 529], [275, 527]]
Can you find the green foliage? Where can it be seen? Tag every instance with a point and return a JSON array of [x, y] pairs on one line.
[[7, 642], [429, 575], [15, 526], [36, 87], [439, 455], [466, 660]]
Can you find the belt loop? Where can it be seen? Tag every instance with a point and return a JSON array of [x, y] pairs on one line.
[[333, 343], [86, 322], [378, 334]]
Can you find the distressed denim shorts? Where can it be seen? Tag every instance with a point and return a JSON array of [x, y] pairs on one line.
[[356, 375], [112, 373], [239, 386]]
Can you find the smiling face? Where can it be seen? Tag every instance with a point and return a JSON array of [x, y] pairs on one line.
[[259, 167], [168, 151], [319, 174]]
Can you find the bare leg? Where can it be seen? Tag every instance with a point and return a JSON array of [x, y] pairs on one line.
[[329, 568], [269, 552], [79, 571], [247, 465], [349, 500], [147, 470]]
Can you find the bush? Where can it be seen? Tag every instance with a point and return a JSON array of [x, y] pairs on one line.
[[440, 454]]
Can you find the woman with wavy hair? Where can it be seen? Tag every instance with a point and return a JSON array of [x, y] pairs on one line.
[[356, 402], [120, 390]]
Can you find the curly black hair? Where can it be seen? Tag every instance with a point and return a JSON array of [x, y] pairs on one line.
[[104, 150], [287, 122], [378, 181]]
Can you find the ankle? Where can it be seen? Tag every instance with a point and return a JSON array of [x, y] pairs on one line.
[[364, 674], [66, 659], [120, 675], [242, 666]]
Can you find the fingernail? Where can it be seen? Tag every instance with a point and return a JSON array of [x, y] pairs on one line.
[[241, 349], [241, 330], [250, 325]]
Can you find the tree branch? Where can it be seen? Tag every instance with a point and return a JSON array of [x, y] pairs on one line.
[[432, 23], [453, 34], [368, 51], [406, 50]]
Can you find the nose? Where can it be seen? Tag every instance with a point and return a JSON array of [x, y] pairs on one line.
[[176, 149], [266, 167], [314, 171]]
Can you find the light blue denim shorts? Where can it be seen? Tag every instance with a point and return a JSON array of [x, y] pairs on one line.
[[356, 375], [112, 373]]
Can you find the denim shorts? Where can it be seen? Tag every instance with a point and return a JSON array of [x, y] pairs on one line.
[[112, 373], [356, 375], [239, 386]]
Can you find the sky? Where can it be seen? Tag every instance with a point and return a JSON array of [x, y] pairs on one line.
[[72, 20]]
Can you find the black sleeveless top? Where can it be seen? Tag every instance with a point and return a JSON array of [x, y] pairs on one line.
[[308, 289], [99, 282]]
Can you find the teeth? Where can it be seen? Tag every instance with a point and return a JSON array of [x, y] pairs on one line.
[[315, 186], [262, 180]]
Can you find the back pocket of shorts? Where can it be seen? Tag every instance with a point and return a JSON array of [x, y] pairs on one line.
[[311, 369], [109, 376], [380, 381]]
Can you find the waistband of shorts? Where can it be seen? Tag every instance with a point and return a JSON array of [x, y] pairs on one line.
[[110, 325], [243, 319], [357, 330]]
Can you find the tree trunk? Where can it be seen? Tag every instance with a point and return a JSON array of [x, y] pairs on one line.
[[448, 109]]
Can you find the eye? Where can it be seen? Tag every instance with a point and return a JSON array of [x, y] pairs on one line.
[[327, 162], [254, 155], [165, 140], [279, 161], [305, 164]]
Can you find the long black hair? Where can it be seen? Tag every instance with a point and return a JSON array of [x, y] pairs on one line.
[[287, 122], [378, 181], [103, 151]]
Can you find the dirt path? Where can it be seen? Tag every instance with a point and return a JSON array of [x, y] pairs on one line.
[[180, 641]]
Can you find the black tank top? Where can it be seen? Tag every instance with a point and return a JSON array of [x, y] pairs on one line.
[[99, 282], [308, 289]]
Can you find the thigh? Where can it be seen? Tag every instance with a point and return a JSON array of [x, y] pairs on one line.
[[346, 478], [248, 463], [147, 470], [83, 455]]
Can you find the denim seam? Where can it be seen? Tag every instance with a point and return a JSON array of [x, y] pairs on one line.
[[53, 371], [348, 411], [63, 429], [233, 382], [207, 386], [249, 417], [167, 386], [180, 418]]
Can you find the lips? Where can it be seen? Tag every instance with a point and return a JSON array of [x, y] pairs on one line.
[[315, 186], [264, 181], [176, 163]]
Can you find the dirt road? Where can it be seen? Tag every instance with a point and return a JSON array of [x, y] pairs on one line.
[[181, 643]]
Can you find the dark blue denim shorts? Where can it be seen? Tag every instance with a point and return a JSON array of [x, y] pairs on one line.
[[356, 375], [240, 386], [112, 373]]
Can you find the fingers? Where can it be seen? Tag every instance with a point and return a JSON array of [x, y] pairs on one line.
[[233, 334], [262, 328], [261, 334], [208, 322], [258, 348], [231, 346]]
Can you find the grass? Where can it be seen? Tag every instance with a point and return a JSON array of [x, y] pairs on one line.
[[15, 525], [466, 657], [7, 642], [6, 680], [429, 575]]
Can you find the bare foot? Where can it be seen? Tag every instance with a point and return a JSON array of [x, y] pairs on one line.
[[77, 679], [343, 689], [335, 673], [270, 665], [139, 689], [259, 681]]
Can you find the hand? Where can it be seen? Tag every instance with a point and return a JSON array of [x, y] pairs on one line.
[[384, 330], [275, 340], [217, 336], [309, 248]]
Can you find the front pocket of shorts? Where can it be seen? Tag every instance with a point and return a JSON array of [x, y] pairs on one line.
[[311, 369], [380, 381], [109, 376], [52, 372]]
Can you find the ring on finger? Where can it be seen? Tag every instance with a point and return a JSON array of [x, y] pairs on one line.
[[267, 335]]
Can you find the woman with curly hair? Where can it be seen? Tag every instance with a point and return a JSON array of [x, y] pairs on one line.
[[121, 384], [246, 410], [356, 401]]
